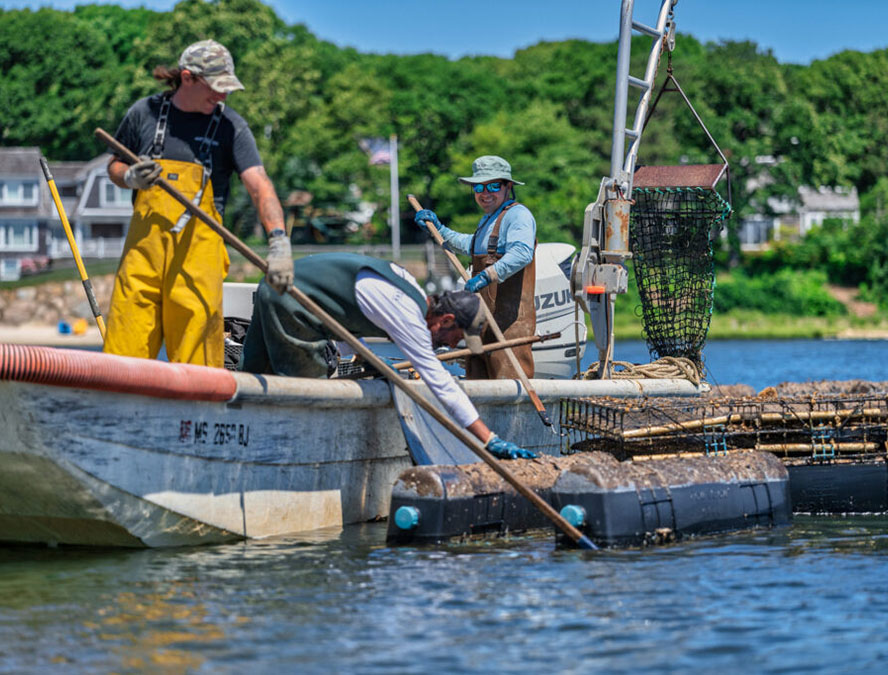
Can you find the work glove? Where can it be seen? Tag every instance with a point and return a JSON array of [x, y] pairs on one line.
[[477, 282], [427, 214], [499, 447], [143, 174], [280, 263]]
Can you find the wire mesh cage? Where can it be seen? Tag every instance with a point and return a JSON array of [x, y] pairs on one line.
[[671, 234], [807, 429], [677, 213]]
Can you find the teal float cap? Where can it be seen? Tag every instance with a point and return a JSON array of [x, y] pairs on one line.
[[575, 515], [407, 517]]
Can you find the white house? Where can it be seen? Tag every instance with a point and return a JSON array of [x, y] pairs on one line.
[[31, 232], [797, 219], [25, 205], [826, 202]]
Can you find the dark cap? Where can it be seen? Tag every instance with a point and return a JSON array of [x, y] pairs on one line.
[[469, 313]]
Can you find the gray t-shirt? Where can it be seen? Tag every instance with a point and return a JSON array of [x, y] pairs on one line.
[[234, 148]]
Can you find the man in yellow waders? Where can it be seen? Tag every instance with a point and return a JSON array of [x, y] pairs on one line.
[[169, 283]]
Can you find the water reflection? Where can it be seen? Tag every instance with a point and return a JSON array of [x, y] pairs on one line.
[[168, 630], [72, 607], [810, 596]]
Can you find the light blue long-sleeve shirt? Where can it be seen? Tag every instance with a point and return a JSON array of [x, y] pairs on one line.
[[516, 239]]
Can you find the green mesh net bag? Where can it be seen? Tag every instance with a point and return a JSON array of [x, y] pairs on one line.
[[670, 235]]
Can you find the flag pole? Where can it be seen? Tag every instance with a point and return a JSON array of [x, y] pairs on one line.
[[395, 212]]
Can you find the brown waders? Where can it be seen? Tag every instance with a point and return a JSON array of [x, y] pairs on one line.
[[512, 304]]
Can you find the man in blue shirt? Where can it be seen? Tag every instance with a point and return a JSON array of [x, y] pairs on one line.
[[502, 250]]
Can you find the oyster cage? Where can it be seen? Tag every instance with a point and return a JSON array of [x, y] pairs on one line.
[[807, 429]]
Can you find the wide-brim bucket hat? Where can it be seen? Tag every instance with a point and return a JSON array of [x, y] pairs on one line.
[[490, 167]]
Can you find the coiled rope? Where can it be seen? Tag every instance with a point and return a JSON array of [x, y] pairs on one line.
[[668, 367]]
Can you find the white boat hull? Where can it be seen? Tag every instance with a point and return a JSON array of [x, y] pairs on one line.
[[284, 455]]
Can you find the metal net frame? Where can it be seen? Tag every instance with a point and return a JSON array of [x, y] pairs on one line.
[[671, 233], [812, 429], [676, 215]]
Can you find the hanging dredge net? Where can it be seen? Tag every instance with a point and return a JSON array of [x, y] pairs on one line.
[[676, 217], [671, 234]]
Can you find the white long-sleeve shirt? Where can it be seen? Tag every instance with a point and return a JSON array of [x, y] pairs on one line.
[[400, 317]]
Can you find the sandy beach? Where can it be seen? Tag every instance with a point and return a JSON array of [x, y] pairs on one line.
[[48, 336]]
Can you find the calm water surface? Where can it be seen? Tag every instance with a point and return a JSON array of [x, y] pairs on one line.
[[808, 598], [763, 363]]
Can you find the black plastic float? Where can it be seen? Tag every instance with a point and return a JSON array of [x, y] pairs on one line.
[[431, 504], [854, 486], [613, 503], [633, 503]]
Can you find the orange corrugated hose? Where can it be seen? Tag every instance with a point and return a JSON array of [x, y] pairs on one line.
[[81, 369]]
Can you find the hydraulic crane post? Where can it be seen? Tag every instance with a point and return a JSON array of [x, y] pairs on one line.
[[599, 271]]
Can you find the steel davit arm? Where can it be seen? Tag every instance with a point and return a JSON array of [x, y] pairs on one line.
[[599, 273]]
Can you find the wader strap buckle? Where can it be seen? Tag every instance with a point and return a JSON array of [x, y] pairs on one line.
[[493, 240], [160, 128], [204, 155]]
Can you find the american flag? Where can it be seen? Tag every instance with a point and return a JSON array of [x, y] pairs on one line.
[[378, 149]]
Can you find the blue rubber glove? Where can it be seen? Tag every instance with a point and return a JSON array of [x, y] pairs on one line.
[[427, 214], [499, 447], [477, 282]]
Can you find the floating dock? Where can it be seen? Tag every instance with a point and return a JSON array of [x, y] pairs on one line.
[[834, 443], [614, 503]]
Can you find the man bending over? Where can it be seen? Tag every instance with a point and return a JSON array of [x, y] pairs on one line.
[[370, 297]]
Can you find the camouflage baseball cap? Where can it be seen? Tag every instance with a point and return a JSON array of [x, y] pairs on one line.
[[212, 62], [490, 167]]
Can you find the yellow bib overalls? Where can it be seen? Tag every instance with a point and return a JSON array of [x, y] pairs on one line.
[[169, 284]]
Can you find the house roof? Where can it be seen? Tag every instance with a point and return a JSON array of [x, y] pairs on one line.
[[99, 162], [20, 162], [824, 199], [25, 163], [90, 203], [829, 198], [66, 172]]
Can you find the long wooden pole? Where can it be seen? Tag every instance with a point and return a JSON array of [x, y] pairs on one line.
[[768, 418], [471, 442], [463, 353], [492, 347], [87, 286], [806, 448], [513, 360]]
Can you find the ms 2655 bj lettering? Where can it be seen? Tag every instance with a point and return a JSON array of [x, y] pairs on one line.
[[216, 433]]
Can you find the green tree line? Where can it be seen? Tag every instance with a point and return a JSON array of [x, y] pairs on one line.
[[548, 109]]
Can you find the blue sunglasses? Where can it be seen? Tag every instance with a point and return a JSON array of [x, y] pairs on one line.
[[491, 187]]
